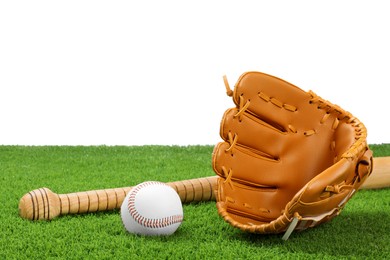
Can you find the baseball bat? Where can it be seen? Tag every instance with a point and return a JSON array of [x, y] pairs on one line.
[[380, 176], [43, 204]]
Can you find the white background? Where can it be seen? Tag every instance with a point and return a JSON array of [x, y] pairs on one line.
[[150, 72]]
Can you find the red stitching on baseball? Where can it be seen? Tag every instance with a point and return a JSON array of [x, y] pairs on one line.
[[146, 222]]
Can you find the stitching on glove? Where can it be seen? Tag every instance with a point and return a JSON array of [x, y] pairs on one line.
[[309, 132], [292, 129], [232, 141], [337, 188], [264, 96], [246, 205], [277, 102], [242, 108], [326, 105], [333, 188], [264, 210], [360, 130], [228, 175], [335, 123], [290, 107], [230, 200], [326, 116]]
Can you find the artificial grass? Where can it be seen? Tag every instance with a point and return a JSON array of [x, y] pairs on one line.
[[360, 232]]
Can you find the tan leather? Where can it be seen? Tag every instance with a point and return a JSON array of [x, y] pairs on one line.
[[286, 154]]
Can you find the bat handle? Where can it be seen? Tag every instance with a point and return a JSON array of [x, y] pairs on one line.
[[44, 204]]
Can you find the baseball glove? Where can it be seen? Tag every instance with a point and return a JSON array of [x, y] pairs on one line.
[[290, 160]]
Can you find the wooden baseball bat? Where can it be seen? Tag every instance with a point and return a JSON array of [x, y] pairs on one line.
[[43, 204], [380, 176]]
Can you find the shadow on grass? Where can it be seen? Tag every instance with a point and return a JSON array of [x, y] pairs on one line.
[[355, 234]]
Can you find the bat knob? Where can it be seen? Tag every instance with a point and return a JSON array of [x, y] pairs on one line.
[[39, 204]]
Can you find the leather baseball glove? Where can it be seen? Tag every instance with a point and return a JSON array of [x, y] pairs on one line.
[[290, 160]]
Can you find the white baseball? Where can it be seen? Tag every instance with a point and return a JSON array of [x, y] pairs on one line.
[[152, 208]]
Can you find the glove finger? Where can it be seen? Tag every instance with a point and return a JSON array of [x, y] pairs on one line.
[[275, 101], [246, 166], [256, 205], [254, 186], [250, 131]]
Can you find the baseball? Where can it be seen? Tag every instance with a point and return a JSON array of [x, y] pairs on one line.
[[152, 208]]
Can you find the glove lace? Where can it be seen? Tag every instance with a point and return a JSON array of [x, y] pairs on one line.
[[242, 108], [232, 141], [328, 107], [360, 129], [229, 91], [228, 175]]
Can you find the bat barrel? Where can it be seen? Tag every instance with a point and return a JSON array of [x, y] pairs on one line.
[[195, 190], [380, 177]]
